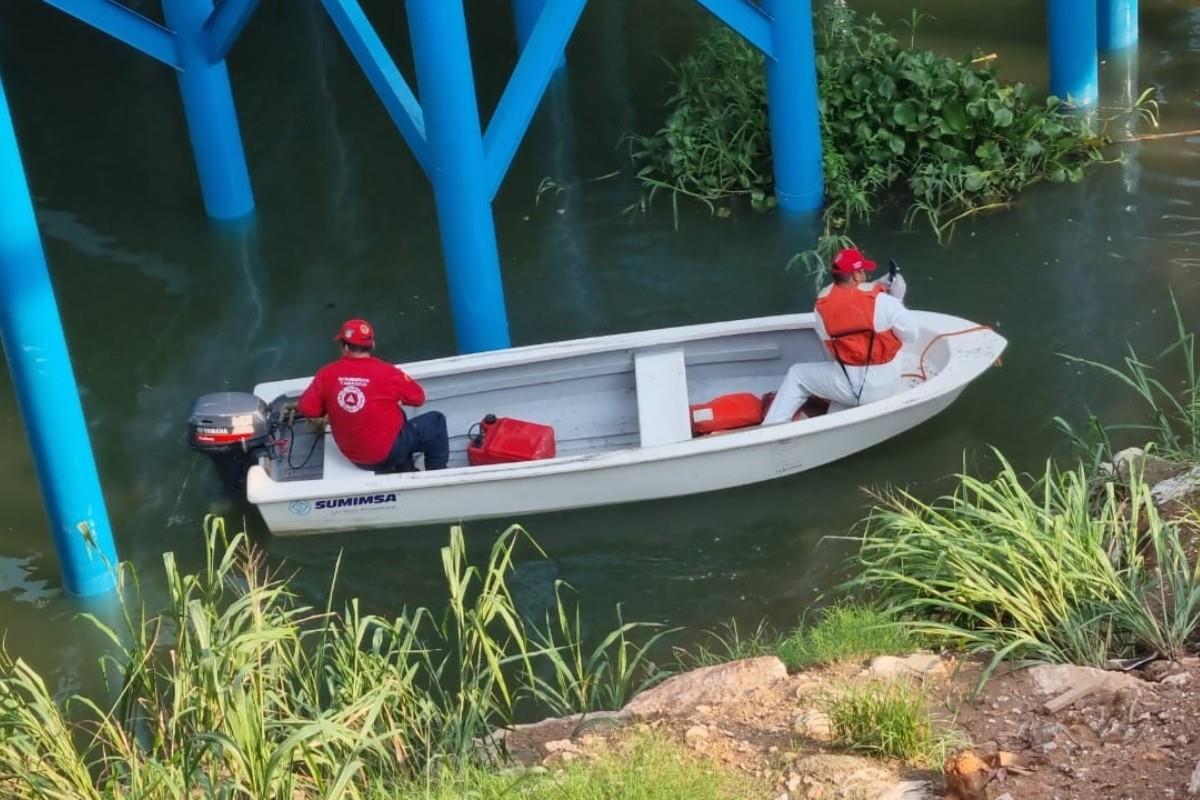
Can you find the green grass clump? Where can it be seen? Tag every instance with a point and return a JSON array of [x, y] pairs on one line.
[[887, 719], [1052, 569], [946, 131], [644, 768], [847, 632], [235, 689]]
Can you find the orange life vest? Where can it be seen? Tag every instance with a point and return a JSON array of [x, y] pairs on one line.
[[849, 316]]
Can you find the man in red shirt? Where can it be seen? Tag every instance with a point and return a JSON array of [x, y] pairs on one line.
[[362, 395]]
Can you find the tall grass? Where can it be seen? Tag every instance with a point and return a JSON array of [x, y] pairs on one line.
[[1048, 569], [237, 690]]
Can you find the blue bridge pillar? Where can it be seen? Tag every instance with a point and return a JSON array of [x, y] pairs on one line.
[[1117, 22], [211, 117], [792, 97], [1074, 56], [45, 385], [457, 169], [525, 15]]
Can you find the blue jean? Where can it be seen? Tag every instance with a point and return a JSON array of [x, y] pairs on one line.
[[424, 433]]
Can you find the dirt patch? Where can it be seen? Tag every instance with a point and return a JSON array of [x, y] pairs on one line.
[[1133, 737]]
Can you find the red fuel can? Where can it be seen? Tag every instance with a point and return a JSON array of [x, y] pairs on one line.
[[501, 440], [727, 412]]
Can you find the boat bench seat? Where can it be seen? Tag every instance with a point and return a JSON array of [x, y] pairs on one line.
[[337, 466], [662, 396]]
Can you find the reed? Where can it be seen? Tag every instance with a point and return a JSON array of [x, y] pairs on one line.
[[236, 689], [1051, 568]]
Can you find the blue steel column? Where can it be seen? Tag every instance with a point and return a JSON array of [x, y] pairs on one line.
[[792, 98], [1074, 58], [45, 385], [1117, 22], [442, 56], [525, 16], [211, 117]]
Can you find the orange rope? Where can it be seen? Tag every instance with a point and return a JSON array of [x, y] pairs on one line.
[[921, 363]]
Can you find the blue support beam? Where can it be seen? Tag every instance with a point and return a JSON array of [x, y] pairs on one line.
[[124, 24], [389, 84], [526, 13], [542, 52], [748, 21], [1074, 57], [226, 25], [442, 54], [1117, 24], [792, 101], [31, 331], [211, 116]]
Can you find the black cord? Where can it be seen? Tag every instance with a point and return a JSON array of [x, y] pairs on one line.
[[291, 429]]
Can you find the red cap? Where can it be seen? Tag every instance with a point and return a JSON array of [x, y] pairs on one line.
[[357, 332], [851, 260]]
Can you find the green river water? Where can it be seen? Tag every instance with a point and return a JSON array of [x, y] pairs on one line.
[[161, 305]]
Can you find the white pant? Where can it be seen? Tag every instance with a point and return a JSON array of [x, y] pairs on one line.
[[826, 379]]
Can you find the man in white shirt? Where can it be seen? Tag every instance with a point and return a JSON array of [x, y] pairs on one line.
[[864, 325]]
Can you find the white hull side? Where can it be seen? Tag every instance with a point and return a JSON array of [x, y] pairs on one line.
[[608, 479]]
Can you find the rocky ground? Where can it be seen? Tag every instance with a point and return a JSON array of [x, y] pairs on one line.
[[1038, 733], [1034, 732]]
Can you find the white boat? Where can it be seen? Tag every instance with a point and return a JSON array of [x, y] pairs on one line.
[[619, 407]]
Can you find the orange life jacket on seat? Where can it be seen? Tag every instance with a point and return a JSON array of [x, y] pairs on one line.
[[849, 316]]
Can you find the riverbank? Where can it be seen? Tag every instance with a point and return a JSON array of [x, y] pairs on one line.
[[236, 688]]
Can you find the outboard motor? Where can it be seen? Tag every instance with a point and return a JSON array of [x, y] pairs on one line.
[[232, 429]]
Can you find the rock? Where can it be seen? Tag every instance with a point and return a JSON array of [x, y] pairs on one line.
[[793, 783], [840, 776], [695, 733], [1178, 679], [1040, 733], [1194, 783], [722, 683], [1059, 678], [916, 665], [814, 725], [909, 790], [558, 746], [966, 776], [1005, 796], [1174, 494], [1152, 469]]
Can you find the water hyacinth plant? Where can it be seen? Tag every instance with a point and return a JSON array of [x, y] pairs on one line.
[[946, 131], [237, 690], [1048, 569]]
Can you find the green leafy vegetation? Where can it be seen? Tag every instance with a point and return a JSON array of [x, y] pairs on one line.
[[1052, 569], [894, 119], [237, 690], [890, 719], [845, 633], [644, 768]]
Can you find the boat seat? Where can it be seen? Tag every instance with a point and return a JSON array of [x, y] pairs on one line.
[[662, 396], [337, 466]]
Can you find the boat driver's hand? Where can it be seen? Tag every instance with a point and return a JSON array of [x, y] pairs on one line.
[[897, 288]]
